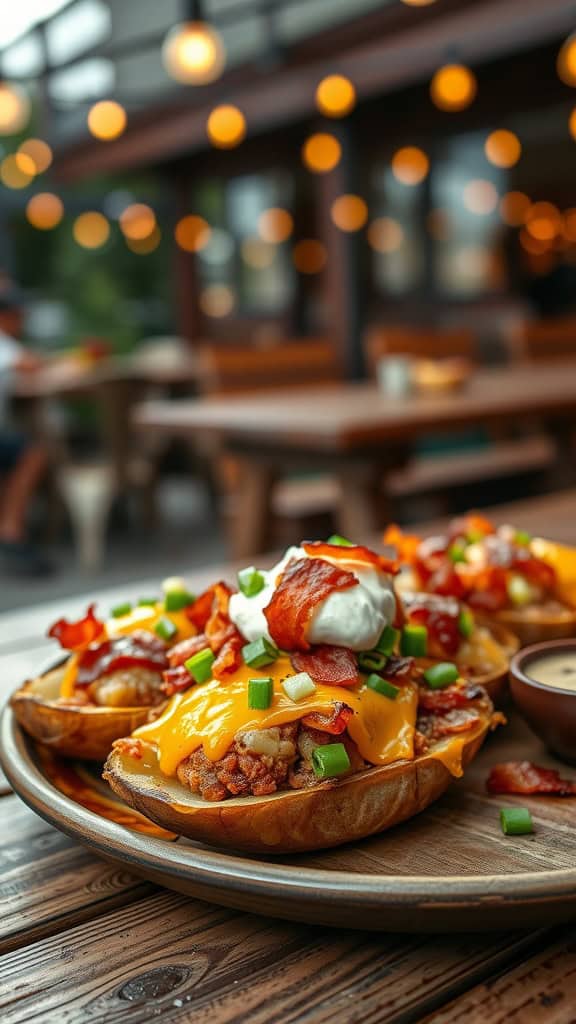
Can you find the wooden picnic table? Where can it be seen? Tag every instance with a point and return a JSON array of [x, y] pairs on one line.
[[83, 942], [356, 432]]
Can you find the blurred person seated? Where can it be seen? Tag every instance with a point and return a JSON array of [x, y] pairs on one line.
[[22, 459]]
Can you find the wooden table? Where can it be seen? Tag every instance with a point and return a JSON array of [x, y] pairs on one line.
[[355, 431], [82, 942]]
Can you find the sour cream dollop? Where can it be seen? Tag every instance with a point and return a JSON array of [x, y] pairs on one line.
[[351, 618]]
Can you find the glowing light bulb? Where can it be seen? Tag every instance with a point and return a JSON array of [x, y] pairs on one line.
[[385, 234], [543, 221], [566, 61], [453, 87], [192, 233], [275, 225], [194, 53], [503, 148], [226, 126], [410, 165], [217, 300], [17, 170], [14, 109], [91, 230], [137, 221], [309, 256], [480, 197], [107, 120], [514, 207], [349, 212], [335, 96], [45, 211], [321, 152], [39, 152], [144, 246]]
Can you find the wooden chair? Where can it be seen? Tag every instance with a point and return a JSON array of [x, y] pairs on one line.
[[241, 369], [544, 340], [423, 343]]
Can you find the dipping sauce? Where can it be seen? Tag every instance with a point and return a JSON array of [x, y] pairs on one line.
[[557, 670]]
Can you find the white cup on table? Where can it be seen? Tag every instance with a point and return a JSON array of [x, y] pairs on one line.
[[394, 375]]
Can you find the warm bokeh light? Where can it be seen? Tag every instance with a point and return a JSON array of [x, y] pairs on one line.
[[535, 246], [137, 221], [256, 253], [321, 152], [513, 208], [349, 212], [91, 230], [17, 170], [45, 211], [569, 225], [39, 152], [217, 300], [385, 234], [566, 62], [14, 109], [453, 87], [192, 233], [144, 246], [275, 225], [572, 124], [226, 126], [194, 53], [410, 165], [438, 224], [107, 120], [418, 3], [543, 221], [309, 256], [503, 148], [480, 197], [335, 96]]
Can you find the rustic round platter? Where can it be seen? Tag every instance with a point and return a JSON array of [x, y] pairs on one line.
[[449, 869]]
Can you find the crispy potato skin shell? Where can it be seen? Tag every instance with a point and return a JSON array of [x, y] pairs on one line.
[[289, 822], [81, 732], [495, 683], [537, 628]]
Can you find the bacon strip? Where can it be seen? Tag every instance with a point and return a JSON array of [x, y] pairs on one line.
[[139, 648], [354, 553], [201, 610], [526, 778], [180, 653], [327, 665], [304, 584], [334, 722], [74, 636], [220, 635], [176, 680], [406, 545], [438, 702]]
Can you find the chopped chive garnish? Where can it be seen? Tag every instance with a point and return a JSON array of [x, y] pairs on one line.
[[260, 692], [519, 591], [440, 675], [382, 686], [388, 640], [176, 600], [147, 602], [330, 760], [466, 623], [474, 536], [371, 661], [250, 581], [457, 553], [200, 665], [516, 821], [259, 653], [414, 641], [522, 537], [339, 542], [165, 629], [121, 609], [299, 687]]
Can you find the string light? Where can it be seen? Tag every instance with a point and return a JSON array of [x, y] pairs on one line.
[[309, 256], [335, 96], [385, 234], [349, 212], [410, 165], [503, 148], [572, 124], [569, 225], [480, 197], [91, 230], [418, 3], [226, 126], [257, 254], [39, 152], [275, 225], [321, 152], [107, 120], [144, 246], [192, 233], [566, 61], [45, 211], [194, 53], [14, 109], [543, 221], [453, 87], [17, 170], [217, 300], [137, 221], [513, 208], [535, 246]]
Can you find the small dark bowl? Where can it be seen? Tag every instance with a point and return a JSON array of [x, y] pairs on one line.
[[549, 711]]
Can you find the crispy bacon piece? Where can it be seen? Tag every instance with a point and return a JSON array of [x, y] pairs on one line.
[[176, 680], [355, 552], [201, 610], [399, 669], [456, 721], [334, 723], [440, 616], [405, 544], [438, 702], [229, 657], [180, 653], [526, 778], [472, 525], [304, 584], [139, 648], [130, 746], [327, 665], [74, 636]]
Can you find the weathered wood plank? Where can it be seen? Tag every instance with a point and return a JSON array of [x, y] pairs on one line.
[[185, 960], [48, 882], [541, 990]]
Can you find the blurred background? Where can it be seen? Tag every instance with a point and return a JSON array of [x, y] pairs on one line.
[[203, 200]]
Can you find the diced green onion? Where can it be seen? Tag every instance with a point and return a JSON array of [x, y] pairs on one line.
[[330, 760], [382, 686], [260, 692], [371, 661], [522, 537], [339, 542], [250, 581], [519, 591], [121, 609], [200, 665], [176, 600], [147, 602], [165, 629], [466, 623], [457, 553], [259, 653], [299, 686], [474, 536], [414, 641], [388, 640], [516, 821], [442, 674]]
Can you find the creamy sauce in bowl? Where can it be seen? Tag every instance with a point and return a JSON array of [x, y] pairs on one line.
[[558, 670]]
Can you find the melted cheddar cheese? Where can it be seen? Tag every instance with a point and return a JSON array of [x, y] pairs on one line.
[[210, 716]]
